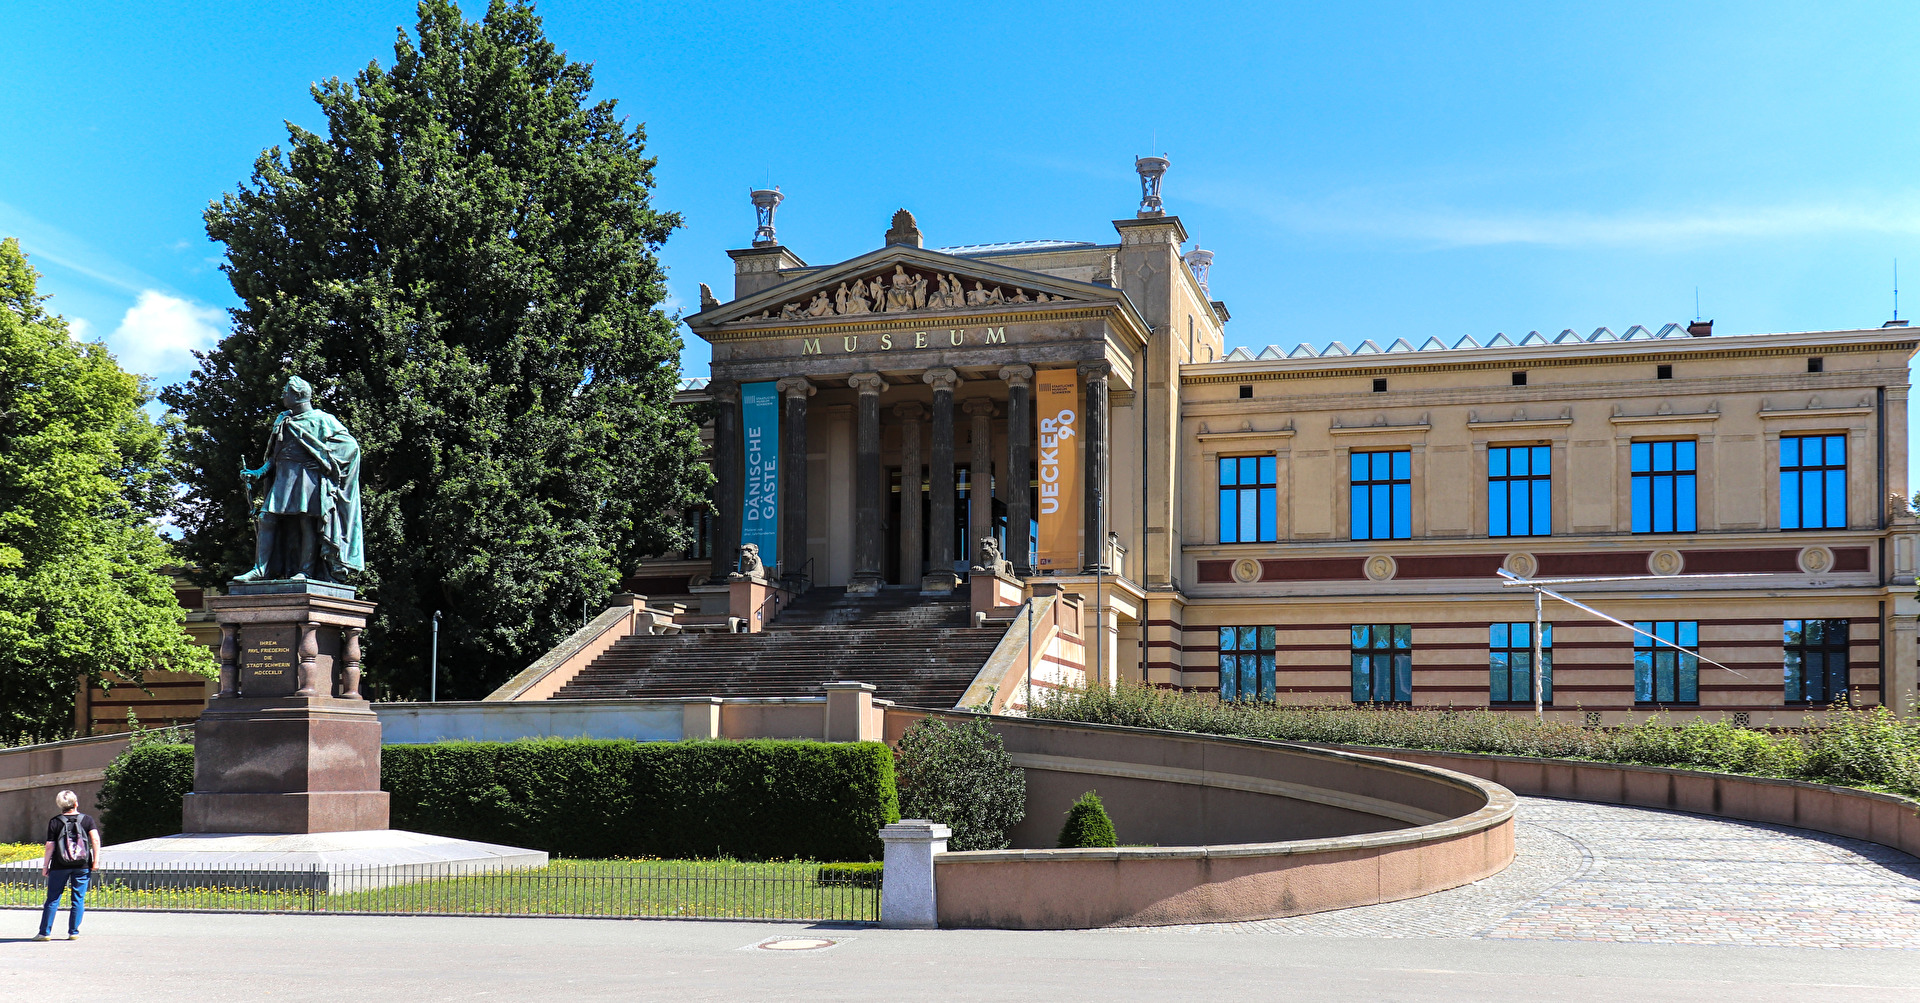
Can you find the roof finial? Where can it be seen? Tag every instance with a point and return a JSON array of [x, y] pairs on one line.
[[905, 230], [1151, 170], [765, 200], [1201, 262]]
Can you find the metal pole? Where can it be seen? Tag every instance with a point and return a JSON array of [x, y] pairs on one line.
[[1539, 710], [433, 680]]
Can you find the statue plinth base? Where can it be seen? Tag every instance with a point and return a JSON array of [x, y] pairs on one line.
[[288, 745]]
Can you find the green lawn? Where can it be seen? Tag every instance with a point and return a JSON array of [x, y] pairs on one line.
[[657, 888]]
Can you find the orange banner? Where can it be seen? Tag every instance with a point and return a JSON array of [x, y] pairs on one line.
[[1056, 405]]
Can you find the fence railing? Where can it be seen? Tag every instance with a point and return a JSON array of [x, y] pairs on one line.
[[682, 889]]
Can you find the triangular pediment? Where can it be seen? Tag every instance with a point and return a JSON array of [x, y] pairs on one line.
[[903, 282]]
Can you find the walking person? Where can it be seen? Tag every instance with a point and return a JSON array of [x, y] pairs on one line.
[[73, 851]]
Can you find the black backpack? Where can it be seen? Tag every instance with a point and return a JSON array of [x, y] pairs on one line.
[[73, 848]]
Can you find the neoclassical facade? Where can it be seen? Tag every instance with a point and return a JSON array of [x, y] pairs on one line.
[[1319, 525]]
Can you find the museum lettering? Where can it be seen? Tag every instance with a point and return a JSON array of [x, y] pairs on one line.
[[953, 337]]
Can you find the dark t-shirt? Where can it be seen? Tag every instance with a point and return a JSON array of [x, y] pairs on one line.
[[58, 824]]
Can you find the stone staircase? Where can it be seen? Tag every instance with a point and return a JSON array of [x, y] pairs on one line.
[[917, 650]]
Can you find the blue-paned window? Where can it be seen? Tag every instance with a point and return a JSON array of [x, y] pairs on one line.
[[1813, 482], [1816, 660], [1382, 485], [1382, 663], [1519, 491], [1510, 663], [1663, 487], [1661, 674], [1246, 663], [1247, 499]]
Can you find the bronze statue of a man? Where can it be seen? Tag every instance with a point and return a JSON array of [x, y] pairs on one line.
[[308, 518]]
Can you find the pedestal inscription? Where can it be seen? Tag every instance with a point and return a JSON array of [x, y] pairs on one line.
[[267, 660]]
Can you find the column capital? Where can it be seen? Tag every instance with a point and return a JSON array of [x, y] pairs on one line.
[[910, 411], [867, 383], [724, 391], [1019, 376], [941, 379], [978, 406], [795, 386], [1091, 371], [1898, 392]]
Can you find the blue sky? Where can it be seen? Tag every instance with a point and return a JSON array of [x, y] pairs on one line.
[[1360, 169]]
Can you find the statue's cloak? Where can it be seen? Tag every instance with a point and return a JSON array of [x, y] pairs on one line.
[[337, 453]]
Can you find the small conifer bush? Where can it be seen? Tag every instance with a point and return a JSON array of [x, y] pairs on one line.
[[1087, 824]]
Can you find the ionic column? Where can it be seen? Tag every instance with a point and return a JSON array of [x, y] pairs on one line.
[[980, 494], [794, 391], [909, 414], [940, 576], [869, 494], [1094, 374], [1016, 484], [727, 477]]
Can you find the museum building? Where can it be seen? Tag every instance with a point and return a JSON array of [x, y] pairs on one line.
[[1311, 526]]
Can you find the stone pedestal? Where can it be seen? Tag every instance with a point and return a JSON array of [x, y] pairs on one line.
[[288, 745], [906, 885]]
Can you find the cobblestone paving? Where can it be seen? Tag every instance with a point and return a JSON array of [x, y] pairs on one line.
[[1607, 873]]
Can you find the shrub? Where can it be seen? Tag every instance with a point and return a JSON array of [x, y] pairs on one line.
[[1088, 824], [757, 800], [1861, 748], [848, 875], [141, 796], [962, 777]]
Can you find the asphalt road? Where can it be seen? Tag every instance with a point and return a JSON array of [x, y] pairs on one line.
[[135, 956]]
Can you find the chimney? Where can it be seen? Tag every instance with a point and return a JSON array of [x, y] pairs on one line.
[[1701, 328]]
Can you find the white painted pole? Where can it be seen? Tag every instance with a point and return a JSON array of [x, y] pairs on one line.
[[433, 681], [1539, 708]]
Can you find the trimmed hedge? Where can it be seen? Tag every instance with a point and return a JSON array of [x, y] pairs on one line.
[[599, 798], [141, 796], [1087, 824]]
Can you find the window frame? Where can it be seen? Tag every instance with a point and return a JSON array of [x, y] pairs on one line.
[[1397, 654], [1264, 491], [1794, 655], [1648, 659], [1647, 478], [1240, 663], [1394, 485], [1832, 479], [1538, 493], [1502, 643]]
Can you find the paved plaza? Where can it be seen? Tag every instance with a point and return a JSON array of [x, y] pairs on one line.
[[1596, 872], [1604, 902]]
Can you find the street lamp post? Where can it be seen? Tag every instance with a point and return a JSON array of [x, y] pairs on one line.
[[433, 680]]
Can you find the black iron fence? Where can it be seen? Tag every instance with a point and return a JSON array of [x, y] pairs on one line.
[[687, 889]]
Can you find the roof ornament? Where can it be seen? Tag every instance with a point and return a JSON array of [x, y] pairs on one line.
[[1201, 262], [905, 231], [1151, 170], [765, 201]]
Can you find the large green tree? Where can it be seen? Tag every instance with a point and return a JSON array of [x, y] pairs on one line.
[[81, 481], [464, 267]]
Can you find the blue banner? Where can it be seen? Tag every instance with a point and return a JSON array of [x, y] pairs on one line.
[[760, 503]]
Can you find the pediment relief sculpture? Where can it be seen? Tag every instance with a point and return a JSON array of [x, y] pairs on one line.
[[903, 290]]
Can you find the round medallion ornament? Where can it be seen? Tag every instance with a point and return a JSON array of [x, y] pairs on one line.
[[1246, 571], [1816, 560], [1522, 564], [1381, 568], [1666, 561]]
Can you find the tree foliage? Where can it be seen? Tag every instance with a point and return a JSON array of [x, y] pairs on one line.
[[81, 477], [464, 268], [962, 777]]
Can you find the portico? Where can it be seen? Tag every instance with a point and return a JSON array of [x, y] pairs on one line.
[[905, 381]]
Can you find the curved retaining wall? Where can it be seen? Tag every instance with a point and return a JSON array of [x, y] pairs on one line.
[[1887, 819], [1243, 829]]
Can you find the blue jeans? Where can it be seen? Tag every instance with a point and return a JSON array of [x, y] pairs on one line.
[[57, 880]]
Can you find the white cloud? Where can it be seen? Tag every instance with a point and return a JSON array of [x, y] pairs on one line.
[[160, 333], [78, 328]]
